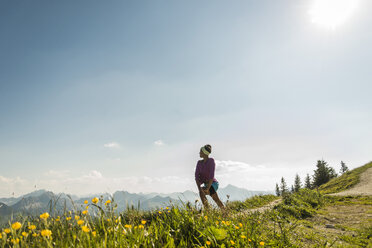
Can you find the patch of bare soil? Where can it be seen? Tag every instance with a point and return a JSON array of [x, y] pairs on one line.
[[364, 187]]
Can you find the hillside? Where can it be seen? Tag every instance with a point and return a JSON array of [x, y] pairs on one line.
[[349, 180]]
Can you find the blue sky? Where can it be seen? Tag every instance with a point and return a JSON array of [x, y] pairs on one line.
[[108, 95]]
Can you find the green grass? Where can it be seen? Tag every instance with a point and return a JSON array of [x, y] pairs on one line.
[[252, 202], [345, 181]]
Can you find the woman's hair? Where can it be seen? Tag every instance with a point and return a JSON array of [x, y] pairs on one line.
[[208, 148]]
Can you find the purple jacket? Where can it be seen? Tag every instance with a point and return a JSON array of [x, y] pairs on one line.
[[205, 171]]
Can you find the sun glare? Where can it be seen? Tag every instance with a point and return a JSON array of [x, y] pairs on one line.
[[332, 13]]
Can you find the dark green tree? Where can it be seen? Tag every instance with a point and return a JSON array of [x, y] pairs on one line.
[[308, 182], [283, 187], [343, 168], [292, 189], [277, 190], [323, 173], [297, 183]]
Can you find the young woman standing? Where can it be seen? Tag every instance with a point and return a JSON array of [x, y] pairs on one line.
[[204, 174]]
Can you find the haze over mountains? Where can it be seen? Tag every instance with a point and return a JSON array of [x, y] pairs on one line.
[[41, 200]]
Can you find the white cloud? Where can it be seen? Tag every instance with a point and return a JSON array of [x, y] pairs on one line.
[[159, 143], [112, 145]]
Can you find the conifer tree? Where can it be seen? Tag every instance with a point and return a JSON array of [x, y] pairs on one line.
[[323, 173], [308, 182], [297, 183], [343, 168], [277, 190], [283, 187]]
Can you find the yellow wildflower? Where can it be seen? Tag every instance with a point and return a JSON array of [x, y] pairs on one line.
[[46, 233], [249, 240], [227, 223], [86, 207], [168, 211], [208, 242], [140, 226], [236, 227], [7, 230], [128, 226], [85, 229], [24, 234], [232, 242], [44, 216], [15, 241], [240, 224], [107, 202], [84, 212], [243, 237], [95, 200], [159, 212], [77, 217], [68, 218], [80, 222], [86, 202], [166, 208], [94, 233], [262, 243], [32, 227], [1, 236], [58, 218], [34, 235], [217, 222], [16, 225], [143, 222], [223, 222], [206, 217]]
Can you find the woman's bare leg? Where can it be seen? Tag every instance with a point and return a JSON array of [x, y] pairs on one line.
[[204, 199], [218, 201]]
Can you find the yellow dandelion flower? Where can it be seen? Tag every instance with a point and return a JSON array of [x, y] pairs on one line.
[[243, 237], [68, 218], [80, 222], [116, 221], [94, 233], [143, 222], [16, 225], [85, 212], [34, 235], [128, 226], [7, 230], [168, 211], [227, 223], [85, 229], [258, 222], [159, 212], [208, 242], [217, 222], [232, 242], [236, 227], [1, 236], [44, 216], [46, 233], [240, 224], [141, 227], [77, 217], [249, 240], [262, 243], [86, 202], [32, 227], [166, 208], [86, 207], [206, 217], [15, 241], [95, 200], [107, 202], [24, 234], [223, 222]]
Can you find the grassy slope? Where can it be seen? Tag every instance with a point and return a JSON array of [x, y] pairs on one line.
[[344, 182]]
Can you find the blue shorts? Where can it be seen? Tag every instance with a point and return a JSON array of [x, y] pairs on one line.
[[213, 189]]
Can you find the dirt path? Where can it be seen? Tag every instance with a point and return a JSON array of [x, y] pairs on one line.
[[364, 187], [261, 209]]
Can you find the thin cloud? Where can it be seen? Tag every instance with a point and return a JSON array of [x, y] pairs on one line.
[[159, 143], [113, 145]]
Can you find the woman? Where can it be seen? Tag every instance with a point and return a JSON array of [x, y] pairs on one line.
[[204, 173]]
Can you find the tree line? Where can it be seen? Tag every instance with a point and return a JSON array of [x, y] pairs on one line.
[[322, 174]]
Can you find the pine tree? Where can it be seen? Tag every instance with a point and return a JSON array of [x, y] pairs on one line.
[[323, 173], [292, 189], [277, 190], [343, 168], [283, 187], [308, 182], [297, 183]]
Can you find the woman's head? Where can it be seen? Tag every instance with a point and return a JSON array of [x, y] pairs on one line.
[[205, 151]]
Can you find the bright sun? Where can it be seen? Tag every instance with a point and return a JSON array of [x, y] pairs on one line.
[[332, 13]]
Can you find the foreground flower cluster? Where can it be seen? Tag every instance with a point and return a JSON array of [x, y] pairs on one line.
[[103, 227]]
